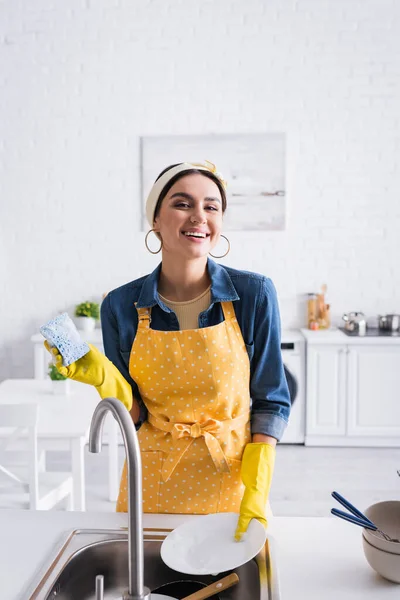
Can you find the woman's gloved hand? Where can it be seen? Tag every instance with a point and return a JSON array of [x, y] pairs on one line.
[[96, 369], [256, 472]]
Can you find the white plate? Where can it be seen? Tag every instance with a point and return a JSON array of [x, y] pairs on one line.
[[207, 546]]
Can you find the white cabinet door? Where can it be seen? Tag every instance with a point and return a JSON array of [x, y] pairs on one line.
[[326, 390], [373, 391]]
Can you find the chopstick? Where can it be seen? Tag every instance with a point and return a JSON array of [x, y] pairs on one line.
[[352, 519], [351, 508]]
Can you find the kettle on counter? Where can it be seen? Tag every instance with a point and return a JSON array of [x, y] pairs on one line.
[[355, 321], [389, 322]]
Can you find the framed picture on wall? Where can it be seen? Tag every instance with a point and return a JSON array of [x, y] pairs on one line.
[[253, 165]]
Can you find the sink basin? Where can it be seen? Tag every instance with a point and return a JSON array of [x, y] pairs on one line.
[[86, 553]]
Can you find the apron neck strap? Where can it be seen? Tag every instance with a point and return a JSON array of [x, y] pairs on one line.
[[228, 310], [144, 316]]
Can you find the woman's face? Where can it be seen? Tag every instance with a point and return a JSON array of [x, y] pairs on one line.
[[190, 217]]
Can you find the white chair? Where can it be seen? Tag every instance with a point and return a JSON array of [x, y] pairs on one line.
[[26, 486]]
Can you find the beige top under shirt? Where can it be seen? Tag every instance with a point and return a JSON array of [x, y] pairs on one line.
[[188, 312]]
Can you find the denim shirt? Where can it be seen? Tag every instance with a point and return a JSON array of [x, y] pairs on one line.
[[256, 308]]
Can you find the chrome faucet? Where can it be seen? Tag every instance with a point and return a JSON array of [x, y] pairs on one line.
[[137, 590]]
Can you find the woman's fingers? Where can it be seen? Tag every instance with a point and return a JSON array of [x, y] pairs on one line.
[[52, 349], [60, 367], [58, 358]]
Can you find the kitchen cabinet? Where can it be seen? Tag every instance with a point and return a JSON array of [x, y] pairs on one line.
[[353, 392], [326, 390], [373, 391]]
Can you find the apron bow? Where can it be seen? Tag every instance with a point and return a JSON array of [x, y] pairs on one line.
[[184, 434], [194, 430]]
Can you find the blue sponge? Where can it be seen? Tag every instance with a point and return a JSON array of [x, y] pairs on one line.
[[62, 333]]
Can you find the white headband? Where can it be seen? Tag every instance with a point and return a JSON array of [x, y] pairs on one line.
[[160, 184]]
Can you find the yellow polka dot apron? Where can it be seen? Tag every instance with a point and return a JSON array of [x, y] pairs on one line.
[[195, 385]]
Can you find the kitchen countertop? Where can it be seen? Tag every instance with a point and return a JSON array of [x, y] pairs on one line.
[[292, 336], [318, 558], [336, 336]]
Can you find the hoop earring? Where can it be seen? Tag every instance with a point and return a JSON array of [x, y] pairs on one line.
[[147, 246], [227, 252]]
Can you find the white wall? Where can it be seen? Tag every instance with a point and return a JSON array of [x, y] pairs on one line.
[[81, 80]]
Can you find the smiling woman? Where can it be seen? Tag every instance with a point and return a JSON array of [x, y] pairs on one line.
[[189, 219], [186, 190], [199, 345], [185, 209], [195, 422]]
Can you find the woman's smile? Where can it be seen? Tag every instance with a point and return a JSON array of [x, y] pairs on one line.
[[195, 235]]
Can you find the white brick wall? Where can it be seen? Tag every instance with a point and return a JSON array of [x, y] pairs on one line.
[[81, 80]]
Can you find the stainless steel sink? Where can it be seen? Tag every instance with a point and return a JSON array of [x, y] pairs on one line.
[[86, 553]]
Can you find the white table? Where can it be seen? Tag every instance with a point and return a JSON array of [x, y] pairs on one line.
[[64, 423], [112, 436]]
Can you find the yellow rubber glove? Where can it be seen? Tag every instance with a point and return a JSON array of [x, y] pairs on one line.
[[96, 369], [256, 472]]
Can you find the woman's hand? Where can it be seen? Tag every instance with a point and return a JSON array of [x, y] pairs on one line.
[[89, 369], [96, 369], [256, 472]]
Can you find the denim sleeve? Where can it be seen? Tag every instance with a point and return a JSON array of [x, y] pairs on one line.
[[268, 386], [109, 327]]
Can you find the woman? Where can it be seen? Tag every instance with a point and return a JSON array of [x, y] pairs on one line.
[[195, 351]]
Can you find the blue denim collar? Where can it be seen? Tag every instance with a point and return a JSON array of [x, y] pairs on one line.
[[222, 288]]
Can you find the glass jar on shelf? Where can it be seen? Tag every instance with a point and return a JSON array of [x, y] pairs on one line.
[[311, 310]]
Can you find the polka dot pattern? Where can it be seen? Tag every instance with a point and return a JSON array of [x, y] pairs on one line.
[[195, 385]]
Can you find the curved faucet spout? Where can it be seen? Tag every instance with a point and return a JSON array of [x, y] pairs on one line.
[[137, 590]]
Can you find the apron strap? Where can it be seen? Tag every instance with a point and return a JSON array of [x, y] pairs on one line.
[[144, 316], [183, 435], [228, 310]]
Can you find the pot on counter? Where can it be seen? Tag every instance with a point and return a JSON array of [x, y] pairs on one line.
[[355, 321], [389, 322]]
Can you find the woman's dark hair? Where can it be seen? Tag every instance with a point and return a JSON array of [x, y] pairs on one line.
[[178, 176]]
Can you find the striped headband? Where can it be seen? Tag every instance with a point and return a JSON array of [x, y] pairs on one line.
[[160, 184]]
